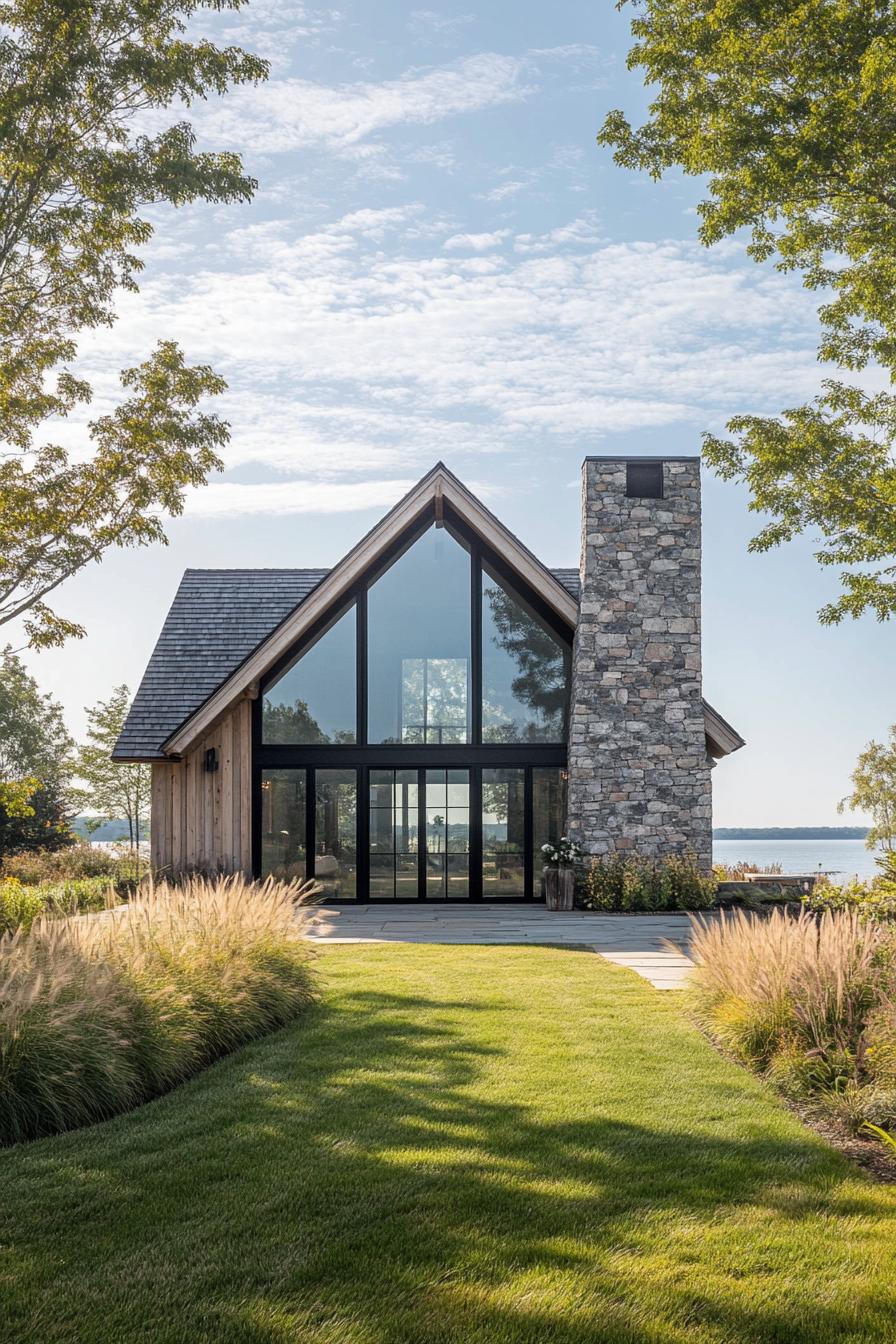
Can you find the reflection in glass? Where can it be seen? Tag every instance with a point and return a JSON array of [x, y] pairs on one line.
[[418, 641], [283, 823], [548, 815], [393, 834], [447, 834], [315, 699], [335, 833], [503, 833], [525, 669]]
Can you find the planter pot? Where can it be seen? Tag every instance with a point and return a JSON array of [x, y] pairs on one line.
[[559, 888]]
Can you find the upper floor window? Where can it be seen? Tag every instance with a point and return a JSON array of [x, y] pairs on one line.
[[418, 645], [525, 669], [420, 661], [315, 700]]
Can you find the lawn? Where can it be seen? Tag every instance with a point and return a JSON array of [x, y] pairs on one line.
[[458, 1146]]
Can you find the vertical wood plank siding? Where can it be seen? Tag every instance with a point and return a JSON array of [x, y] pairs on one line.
[[202, 820]]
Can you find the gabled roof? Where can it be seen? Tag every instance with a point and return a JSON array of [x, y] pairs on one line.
[[438, 487], [227, 627], [217, 618]]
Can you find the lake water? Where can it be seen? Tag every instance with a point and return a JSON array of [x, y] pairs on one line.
[[845, 858]]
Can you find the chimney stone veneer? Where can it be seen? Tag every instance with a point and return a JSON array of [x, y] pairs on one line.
[[639, 773]]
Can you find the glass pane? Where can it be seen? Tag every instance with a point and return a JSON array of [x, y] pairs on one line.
[[315, 700], [458, 877], [336, 830], [418, 641], [382, 876], [393, 834], [503, 832], [503, 874], [381, 834], [406, 877], [525, 670], [435, 877], [283, 823], [458, 788], [548, 814]]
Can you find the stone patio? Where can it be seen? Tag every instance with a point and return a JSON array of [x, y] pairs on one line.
[[634, 941]]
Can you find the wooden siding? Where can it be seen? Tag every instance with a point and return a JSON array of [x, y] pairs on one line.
[[202, 821]]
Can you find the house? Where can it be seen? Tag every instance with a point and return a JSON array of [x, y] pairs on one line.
[[417, 721]]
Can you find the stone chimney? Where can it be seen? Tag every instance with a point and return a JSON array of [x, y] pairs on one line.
[[639, 773]]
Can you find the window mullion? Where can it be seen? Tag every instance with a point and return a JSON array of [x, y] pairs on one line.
[[475, 719]]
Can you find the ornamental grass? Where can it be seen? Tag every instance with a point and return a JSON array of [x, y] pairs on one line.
[[101, 1013], [807, 1002]]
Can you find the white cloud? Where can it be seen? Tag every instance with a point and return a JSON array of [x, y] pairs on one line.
[[363, 348], [503, 191], [475, 242], [430, 23], [290, 114]]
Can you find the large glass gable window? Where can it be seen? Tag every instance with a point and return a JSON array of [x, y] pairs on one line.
[[413, 747], [418, 645], [525, 669], [315, 700]]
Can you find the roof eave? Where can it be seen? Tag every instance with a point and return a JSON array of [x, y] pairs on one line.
[[721, 738]]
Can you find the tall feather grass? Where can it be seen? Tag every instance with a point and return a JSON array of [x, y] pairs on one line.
[[805, 1001], [100, 1013]]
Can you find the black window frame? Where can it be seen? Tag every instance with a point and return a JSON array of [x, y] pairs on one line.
[[363, 756]]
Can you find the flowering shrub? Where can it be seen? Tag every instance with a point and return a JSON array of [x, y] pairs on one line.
[[870, 900], [21, 904], [632, 882], [562, 854], [122, 867]]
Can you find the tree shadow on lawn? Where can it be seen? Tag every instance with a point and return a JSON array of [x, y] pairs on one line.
[[349, 1181]]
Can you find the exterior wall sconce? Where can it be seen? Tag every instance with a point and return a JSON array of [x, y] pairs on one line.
[[211, 761]]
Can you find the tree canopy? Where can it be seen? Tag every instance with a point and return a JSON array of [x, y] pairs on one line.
[[78, 80], [874, 791], [110, 788], [35, 763], [788, 109]]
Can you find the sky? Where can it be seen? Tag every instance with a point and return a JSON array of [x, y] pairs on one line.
[[441, 263]]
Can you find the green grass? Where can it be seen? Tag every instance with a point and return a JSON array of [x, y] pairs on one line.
[[458, 1146]]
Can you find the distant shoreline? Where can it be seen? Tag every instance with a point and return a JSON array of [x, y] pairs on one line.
[[790, 832]]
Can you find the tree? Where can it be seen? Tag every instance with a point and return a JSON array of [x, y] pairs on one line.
[[874, 791], [112, 789], [790, 109], [75, 173], [35, 763]]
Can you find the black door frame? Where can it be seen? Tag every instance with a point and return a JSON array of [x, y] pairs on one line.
[[392, 761]]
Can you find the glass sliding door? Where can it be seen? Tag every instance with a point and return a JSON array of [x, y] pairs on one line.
[[447, 834], [336, 833], [410, 806], [394, 831], [283, 824], [504, 833]]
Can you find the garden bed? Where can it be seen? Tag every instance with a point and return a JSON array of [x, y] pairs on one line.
[[98, 1015]]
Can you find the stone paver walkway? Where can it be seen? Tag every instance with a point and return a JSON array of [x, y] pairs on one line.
[[635, 941]]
